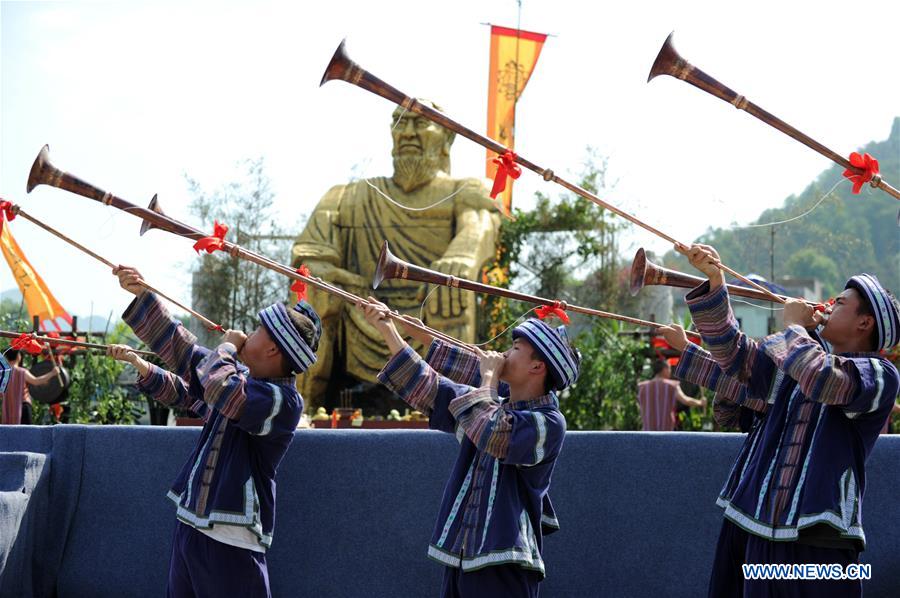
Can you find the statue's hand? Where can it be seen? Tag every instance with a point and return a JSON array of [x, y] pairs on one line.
[[343, 278], [448, 302]]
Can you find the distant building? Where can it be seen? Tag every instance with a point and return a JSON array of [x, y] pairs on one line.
[[760, 318]]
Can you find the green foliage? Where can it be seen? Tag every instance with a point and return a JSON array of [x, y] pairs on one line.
[[550, 250], [94, 395], [605, 396]]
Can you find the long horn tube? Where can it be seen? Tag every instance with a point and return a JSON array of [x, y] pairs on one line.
[[343, 68], [669, 62], [391, 267], [206, 321], [646, 273], [43, 172], [67, 342]]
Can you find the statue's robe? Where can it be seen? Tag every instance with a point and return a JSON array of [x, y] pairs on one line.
[[347, 229]]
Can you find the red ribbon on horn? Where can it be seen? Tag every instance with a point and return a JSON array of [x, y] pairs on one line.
[[299, 286], [7, 207], [26, 342], [215, 242], [867, 164], [552, 310], [823, 306], [506, 167]]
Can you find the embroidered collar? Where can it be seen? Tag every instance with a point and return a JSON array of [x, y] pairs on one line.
[[541, 401]]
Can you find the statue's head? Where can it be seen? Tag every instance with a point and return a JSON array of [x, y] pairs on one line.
[[421, 148]]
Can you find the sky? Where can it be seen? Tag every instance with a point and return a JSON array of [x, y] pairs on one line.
[[133, 96]]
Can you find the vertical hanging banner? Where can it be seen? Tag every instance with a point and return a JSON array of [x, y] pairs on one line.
[[38, 298], [513, 55]]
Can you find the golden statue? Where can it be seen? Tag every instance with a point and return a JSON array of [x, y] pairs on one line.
[[343, 237]]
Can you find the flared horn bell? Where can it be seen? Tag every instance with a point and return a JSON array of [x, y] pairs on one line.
[[339, 66], [667, 60], [638, 268], [153, 207], [385, 266], [41, 171]]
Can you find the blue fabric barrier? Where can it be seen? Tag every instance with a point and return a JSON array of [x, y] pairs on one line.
[[355, 510]]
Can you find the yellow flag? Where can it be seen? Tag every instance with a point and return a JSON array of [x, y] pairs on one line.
[[38, 298], [513, 55]]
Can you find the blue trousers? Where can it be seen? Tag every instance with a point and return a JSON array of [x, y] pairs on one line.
[[201, 567], [499, 581], [737, 547]]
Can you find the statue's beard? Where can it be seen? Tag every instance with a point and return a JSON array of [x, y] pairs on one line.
[[412, 172]]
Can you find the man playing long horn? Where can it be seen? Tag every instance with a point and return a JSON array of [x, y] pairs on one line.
[[343, 236], [798, 489]]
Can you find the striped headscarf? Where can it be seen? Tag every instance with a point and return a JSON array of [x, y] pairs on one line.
[[887, 320], [277, 322], [553, 346]]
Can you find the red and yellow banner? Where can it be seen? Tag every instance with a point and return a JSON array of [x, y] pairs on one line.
[[38, 298], [513, 55]]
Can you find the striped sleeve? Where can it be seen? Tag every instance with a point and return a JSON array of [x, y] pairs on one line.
[[698, 367], [455, 363], [223, 384], [515, 437], [165, 387], [422, 388], [860, 384], [165, 335], [737, 354]]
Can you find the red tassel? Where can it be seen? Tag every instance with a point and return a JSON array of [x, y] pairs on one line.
[[868, 164], [212, 243], [299, 286], [552, 310], [506, 167], [25, 342]]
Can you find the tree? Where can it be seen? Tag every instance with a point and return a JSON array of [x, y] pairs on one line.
[[544, 252], [226, 289]]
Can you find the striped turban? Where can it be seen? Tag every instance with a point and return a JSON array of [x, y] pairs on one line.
[[553, 346], [289, 340], [887, 320]]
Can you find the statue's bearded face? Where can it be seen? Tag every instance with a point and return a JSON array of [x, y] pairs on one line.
[[421, 150]]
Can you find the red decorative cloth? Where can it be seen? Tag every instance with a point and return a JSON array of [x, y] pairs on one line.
[[26, 342], [212, 243], [506, 167], [552, 310], [299, 286], [867, 164]]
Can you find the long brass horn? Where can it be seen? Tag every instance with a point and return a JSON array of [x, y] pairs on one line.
[[43, 172], [646, 273], [341, 67], [391, 267], [669, 62]]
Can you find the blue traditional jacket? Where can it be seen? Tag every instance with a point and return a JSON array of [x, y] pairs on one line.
[[496, 506], [804, 463], [229, 478]]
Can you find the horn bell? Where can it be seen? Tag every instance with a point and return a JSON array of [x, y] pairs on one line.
[[39, 169], [666, 60], [638, 269], [339, 65], [153, 207], [386, 261]]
